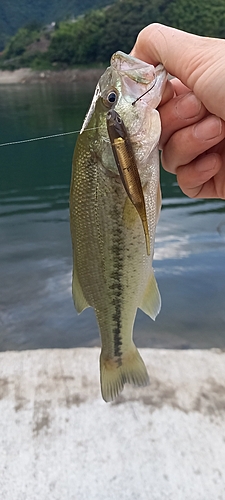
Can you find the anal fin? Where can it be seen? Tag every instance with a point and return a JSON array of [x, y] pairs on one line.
[[151, 300]]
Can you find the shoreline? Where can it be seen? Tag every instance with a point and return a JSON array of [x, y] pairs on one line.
[[27, 75]]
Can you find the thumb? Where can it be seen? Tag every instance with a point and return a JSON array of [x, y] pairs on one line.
[[199, 62]]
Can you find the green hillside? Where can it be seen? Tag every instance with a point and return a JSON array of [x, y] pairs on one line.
[[17, 13], [93, 37]]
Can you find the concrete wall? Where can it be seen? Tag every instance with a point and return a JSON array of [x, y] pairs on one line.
[[60, 441]]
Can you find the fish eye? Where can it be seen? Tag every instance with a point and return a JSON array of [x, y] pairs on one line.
[[112, 97]]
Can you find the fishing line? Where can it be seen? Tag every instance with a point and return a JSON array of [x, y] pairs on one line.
[[12, 143], [153, 84], [44, 137]]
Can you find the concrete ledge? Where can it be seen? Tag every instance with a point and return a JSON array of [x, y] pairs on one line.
[[59, 440]]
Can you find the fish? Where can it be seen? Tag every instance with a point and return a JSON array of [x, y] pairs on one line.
[[115, 202]]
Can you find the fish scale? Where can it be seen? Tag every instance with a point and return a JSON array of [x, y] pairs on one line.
[[111, 269]]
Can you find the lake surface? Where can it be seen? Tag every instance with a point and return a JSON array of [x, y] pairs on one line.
[[36, 307]]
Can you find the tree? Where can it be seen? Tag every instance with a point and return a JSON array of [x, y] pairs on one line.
[[202, 17]]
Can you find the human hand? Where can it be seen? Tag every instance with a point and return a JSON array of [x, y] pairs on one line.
[[193, 107]]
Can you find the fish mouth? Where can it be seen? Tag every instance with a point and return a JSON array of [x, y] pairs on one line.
[[138, 77], [134, 68]]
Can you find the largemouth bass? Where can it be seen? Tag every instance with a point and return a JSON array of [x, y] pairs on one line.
[[115, 201]]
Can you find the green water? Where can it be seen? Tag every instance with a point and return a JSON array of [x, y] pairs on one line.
[[36, 308]]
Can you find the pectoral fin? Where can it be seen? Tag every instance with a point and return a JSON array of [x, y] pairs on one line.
[[151, 301], [158, 203], [78, 296], [130, 214]]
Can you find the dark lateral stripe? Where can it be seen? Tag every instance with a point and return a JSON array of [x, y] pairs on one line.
[[117, 286]]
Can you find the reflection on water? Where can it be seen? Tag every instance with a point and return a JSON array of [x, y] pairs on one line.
[[36, 308]]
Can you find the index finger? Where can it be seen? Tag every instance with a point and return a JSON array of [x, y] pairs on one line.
[[179, 87], [174, 87]]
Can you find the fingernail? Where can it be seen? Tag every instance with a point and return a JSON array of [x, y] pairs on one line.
[[188, 106], [206, 163], [209, 128]]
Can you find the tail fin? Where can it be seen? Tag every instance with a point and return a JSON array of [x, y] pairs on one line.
[[114, 373]]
